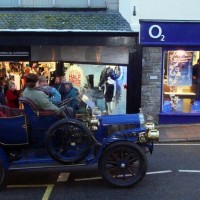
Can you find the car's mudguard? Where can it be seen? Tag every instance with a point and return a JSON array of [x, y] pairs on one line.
[[4, 159], [130, 135]]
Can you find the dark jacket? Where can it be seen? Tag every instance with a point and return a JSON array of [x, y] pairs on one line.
[[2, 99], [62, 90], [72, 94]]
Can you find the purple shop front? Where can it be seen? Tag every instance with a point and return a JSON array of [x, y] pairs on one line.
[[180, 71]]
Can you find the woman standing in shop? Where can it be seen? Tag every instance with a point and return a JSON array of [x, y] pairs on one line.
[[56, 82], [27, 70], [12, 96]]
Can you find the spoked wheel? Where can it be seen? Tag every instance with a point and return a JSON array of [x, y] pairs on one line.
[[68, 141], [2, 173], [123, 164]]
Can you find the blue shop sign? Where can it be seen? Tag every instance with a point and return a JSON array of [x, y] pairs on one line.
[[169, 33]]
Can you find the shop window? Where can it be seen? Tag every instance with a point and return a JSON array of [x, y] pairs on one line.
[[104, 85], [181, 82]]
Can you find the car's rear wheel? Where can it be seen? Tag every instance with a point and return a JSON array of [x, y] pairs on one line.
[[68, 141], [123, 164]]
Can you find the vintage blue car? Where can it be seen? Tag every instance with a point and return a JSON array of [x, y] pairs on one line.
[[31, 138]]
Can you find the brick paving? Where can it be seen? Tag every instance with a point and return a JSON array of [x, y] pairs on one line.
[[175, 133]]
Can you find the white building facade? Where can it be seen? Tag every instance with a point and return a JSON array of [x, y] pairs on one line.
[[110, 4]]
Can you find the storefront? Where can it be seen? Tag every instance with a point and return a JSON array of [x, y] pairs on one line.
[[82, 57], [171, 50]]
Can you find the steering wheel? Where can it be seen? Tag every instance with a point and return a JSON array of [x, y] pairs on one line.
[[64, 102]]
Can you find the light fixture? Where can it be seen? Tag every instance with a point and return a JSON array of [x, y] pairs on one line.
[[134, 10]]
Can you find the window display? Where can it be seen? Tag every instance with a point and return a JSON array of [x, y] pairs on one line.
[[181, 83], [104, 84]]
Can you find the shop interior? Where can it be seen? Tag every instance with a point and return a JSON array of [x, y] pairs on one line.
[[181, 83], [85, 77]]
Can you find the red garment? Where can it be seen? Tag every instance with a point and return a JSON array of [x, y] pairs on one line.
[[2, 114], [12, 99]]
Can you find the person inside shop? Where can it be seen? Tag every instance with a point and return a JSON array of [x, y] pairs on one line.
[[1, 76], [54, 95], [61, 88], [27, 70], [56, 83], [110, 93], [196, 78], [4, 85], [2, 96], [12, 96], [52, 77], [45, 73], [39, 98]]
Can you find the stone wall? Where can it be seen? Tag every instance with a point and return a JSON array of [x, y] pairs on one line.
[[151, 81]]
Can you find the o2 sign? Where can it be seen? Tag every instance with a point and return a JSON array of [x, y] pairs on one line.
[[155, 32]]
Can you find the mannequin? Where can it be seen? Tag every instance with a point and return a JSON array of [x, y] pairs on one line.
[[103, 77], [110, 93]]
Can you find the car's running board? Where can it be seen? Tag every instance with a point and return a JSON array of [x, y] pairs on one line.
[[41, 166]]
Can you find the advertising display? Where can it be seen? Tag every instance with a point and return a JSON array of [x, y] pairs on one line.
[[180, 68], [180, 89], [104, 84]]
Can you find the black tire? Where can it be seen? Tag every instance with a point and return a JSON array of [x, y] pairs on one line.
[[123, 164], [68, 141], [2, 174]]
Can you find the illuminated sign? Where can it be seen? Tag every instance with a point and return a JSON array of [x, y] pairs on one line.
[[159, 33]]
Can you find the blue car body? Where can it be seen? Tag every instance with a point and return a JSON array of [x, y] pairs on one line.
[[26, 131]]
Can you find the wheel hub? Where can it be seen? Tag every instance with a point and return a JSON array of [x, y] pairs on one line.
[[122, 164]]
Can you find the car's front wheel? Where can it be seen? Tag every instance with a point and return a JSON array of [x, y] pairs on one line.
[[123, 164]]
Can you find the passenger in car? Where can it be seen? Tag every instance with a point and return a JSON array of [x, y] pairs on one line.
[[54, 95], [39, 98], [12, 96]]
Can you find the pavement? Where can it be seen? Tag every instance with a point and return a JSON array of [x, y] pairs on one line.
[[179, 133]]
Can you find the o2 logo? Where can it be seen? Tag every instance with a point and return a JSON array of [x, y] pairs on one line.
[[155, 31]]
